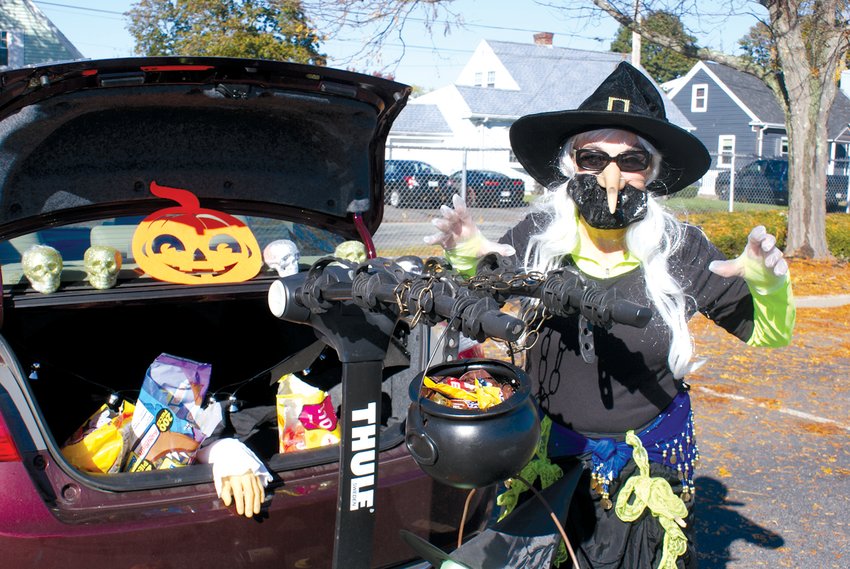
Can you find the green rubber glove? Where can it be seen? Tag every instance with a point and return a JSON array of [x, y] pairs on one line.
[[761, 264]]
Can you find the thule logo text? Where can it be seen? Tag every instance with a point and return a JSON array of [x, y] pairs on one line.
[[364, 423]]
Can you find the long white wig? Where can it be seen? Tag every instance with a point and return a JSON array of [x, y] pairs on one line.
[[651, 240]]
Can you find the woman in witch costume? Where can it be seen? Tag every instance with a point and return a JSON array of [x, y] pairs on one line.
[[616, 399]]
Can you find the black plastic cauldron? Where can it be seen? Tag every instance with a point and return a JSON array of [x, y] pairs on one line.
[[471, 448]]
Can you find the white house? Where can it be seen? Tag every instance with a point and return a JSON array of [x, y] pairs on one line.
[[466, 124]]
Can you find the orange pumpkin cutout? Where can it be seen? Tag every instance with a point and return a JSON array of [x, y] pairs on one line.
[[193, 245]]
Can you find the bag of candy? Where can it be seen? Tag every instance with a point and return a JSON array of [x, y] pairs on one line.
[[102, 442], [170, 422], [305, 416], [476, 389]]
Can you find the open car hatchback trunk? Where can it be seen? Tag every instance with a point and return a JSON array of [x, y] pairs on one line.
[[188, 169]]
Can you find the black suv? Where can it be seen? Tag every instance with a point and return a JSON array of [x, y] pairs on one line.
[[760, 181], [411, 183], [766, 181]]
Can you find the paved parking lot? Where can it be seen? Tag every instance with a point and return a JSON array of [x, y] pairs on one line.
[[773, 427]]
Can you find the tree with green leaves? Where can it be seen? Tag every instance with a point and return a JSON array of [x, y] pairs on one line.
[[662, 63], [234, 28]]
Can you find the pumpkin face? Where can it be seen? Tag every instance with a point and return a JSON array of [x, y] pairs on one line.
[[189, 244]]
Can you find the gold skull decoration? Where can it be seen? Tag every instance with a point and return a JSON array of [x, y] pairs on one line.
[[102, 264], [353, 251], [42, 266]]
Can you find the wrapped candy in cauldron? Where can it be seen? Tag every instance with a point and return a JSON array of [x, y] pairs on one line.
[[473, 448]]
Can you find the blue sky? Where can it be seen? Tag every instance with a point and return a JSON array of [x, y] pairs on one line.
[[429, 60]]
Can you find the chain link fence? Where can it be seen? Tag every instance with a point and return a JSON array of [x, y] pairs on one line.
[[419, 179]]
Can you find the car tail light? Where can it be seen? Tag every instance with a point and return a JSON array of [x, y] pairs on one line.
[[8, 450], [517, 182], [491, 183]]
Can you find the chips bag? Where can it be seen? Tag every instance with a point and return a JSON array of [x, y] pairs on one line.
[[305, 416], [102, 442], [170, 422]]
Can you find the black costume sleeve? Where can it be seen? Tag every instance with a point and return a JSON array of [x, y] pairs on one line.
[[726, 301], [519, 235]]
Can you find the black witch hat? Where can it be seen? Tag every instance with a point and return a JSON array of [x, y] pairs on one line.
[[626, 100]]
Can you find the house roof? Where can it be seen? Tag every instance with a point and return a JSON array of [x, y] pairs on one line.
[[759, 102], [43, 42], [839, 117], [421, 119], [550, 79], [750, 91]]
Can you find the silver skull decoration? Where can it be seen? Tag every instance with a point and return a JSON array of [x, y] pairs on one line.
[[102, 264], [42, 266], [282, 255]]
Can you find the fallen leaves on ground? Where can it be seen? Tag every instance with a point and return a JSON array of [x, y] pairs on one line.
[[819, 277]]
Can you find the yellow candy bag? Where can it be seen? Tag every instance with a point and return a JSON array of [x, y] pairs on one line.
[[305, 416], [101, 443]]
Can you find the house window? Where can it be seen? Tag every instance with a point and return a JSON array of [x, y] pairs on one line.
[[491, 78], [699, 98], [783, 146], [477, 78], [4, 48], [725, 150]]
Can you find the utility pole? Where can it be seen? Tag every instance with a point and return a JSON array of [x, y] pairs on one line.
[[636, 37]]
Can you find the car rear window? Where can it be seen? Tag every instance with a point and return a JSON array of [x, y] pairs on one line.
[[72, 241]]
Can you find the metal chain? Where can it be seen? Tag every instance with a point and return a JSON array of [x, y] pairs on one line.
[[403, 288], [534, 314], [538, 313]]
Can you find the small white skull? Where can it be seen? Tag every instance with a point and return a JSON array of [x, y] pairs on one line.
[[42, 266], [282, 255], [102, 264]]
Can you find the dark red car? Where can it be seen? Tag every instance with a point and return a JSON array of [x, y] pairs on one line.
[[268, 151], [486, 188]]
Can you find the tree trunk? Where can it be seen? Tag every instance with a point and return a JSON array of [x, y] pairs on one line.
[[806, 89], [807, 166]]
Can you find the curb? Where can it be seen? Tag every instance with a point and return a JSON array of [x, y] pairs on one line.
[[827, 301]]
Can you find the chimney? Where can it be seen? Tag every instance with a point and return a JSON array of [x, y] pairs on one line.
[[543, 38]]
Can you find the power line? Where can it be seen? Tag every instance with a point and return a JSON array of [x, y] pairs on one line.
[[412, 19], [81, 8]]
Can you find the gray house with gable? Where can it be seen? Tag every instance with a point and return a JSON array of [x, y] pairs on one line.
[[466, 124], [738, 118], [28, 37]]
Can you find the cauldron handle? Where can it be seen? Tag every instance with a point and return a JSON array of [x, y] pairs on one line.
[[418, 443]]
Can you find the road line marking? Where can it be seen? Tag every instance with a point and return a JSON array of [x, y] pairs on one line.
[[787, 411]]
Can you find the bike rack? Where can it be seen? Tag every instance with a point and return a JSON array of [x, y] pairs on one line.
[[355, 309]]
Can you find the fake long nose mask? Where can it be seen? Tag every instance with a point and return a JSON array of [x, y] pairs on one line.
[[609, 207], [612, 181]]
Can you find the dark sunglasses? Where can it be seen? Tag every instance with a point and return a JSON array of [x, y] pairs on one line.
[[596, 160]]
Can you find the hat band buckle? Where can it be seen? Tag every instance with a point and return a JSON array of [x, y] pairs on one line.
[[613, 100]]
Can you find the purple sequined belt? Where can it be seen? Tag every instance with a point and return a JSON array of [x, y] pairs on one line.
[[668, 440]]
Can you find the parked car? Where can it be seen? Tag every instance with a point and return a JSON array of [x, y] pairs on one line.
[[411, 183], [766, 181], [486, 188], [250, 152]]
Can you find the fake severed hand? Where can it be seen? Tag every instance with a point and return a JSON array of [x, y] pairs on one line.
[[238, 474], [761, 264], [246, 491]]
